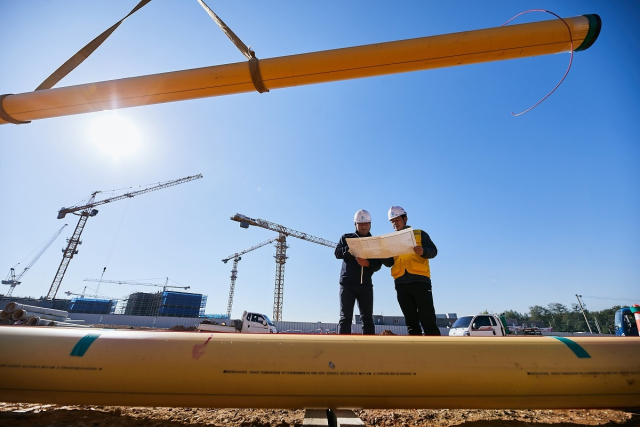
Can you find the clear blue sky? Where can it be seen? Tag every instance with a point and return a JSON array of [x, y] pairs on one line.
[[527, 210]]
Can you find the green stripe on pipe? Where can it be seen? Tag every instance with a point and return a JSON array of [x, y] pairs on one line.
[[595, 25], [577, 350], [82, 346]]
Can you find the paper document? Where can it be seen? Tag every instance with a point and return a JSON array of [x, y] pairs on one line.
[[385, 246]]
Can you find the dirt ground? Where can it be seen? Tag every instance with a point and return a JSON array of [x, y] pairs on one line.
[[32, 415]]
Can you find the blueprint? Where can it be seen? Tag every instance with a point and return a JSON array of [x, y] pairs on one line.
[[385, 246]]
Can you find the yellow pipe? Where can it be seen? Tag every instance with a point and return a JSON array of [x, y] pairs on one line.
[[133, 368], [493, 44]]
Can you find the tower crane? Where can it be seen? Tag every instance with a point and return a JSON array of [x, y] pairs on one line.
[[281, 252], [13, 280], [84, 291], [127, 282], [234, 271], [87, 210]]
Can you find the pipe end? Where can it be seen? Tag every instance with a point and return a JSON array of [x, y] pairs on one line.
[[595, 25]]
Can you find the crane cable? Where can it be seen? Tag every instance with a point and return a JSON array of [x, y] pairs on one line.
[[115, 238]]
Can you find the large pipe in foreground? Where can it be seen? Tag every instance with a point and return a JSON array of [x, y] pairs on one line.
[[471, 47], [134, 368]]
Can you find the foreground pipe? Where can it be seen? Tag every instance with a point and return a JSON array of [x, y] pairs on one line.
[[134, 368], [12, 307], [471, 47], [66, 324]]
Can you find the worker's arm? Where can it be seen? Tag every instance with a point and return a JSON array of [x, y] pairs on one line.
[[342, 250], [387, 262], [375, 264], [429, 249]]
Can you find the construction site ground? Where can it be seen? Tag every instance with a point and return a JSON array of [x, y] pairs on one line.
[[35, 415]]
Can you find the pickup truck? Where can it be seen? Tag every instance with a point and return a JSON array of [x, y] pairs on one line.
[[625, 324], [251, 323], [479, 325]]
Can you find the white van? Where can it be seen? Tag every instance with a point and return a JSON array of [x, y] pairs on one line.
[[479, 325]]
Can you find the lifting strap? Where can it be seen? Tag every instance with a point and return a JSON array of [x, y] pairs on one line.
[[84, 53], [254, 67]]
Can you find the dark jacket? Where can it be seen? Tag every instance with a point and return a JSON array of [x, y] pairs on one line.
[[353, 273], [430, 251]]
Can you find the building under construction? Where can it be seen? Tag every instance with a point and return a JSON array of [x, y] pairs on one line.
[[167, 303]]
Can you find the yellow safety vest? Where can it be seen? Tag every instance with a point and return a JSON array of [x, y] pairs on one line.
[[411, 263]]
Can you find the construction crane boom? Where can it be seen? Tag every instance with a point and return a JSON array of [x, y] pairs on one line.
[[252, 248], [281, 252], [127, 282], [245, 222], [14, 280], [234, 271], [87, 211], [91, 204]]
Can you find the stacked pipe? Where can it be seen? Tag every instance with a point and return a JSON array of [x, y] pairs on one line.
[[30, 315]]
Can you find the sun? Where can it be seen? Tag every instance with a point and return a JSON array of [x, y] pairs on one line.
[[115, 136]]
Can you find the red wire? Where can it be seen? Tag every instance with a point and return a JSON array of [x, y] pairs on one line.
[[570, 59]]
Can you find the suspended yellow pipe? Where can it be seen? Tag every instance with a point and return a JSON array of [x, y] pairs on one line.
[[471, 47], [132, 368]]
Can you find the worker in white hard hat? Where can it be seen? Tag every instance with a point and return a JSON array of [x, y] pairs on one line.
[[355, 278], [412, 278]]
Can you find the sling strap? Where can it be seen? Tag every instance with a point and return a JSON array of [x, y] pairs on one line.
[[84, 53], [254, 66]]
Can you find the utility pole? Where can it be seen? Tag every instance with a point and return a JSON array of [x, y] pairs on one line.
[[583, 312]]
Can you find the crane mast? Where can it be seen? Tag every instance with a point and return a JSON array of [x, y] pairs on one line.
[[234, 271], [86, 211], [14, 280], [281, 252]]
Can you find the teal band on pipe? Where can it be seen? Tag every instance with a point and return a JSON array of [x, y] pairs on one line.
[[83, 345], [577, 350], [595, 24]]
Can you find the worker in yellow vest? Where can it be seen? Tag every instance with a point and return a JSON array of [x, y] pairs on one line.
[[412, 278]]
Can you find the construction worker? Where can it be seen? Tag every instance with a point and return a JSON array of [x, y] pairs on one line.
[[413, 279], [355, 279]]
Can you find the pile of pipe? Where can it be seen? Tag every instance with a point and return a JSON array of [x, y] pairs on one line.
[[30, 315]]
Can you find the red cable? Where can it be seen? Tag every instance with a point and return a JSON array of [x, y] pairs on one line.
[[570, 60]]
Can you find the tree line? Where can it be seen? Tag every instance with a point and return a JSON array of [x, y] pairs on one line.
[[563, 319]]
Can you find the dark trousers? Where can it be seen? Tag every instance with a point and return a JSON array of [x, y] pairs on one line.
[[349, 294], [416, 303]]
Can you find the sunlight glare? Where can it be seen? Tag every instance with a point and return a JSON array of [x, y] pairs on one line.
[[115, 136]]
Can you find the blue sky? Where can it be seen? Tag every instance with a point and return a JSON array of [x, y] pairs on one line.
[[524, 210]]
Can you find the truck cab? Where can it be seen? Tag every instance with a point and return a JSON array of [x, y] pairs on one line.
[[479, 325], [625, 324], [257, 323], [251, 323]]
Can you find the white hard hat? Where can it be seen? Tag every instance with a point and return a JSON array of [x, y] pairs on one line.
[[395, 212], [362, 216]]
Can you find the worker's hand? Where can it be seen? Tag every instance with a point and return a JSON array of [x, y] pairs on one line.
[[363, 262], [419, 250]]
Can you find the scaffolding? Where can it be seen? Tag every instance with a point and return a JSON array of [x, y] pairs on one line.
[[166, 304], [92, 306]]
